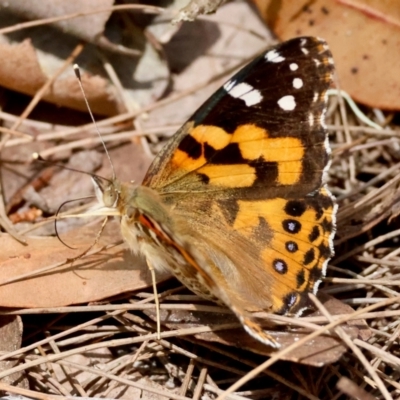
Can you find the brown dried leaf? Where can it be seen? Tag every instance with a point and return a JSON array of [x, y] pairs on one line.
[[363, 36], [10, 340], [87, 27], [31, 57], [323, 350], [90, 278], [22, 71]]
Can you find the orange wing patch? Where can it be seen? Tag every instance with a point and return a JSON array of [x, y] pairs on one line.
[[229, 176], [287, 152], [213, 136], [254, 145], [294, 237]]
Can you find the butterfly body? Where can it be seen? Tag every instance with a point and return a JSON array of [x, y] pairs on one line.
[[235, 204]]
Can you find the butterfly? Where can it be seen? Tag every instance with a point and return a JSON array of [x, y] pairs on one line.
[[235, 205]]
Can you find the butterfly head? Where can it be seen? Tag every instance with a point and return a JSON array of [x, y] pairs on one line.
[[128, 200], [107, 191]]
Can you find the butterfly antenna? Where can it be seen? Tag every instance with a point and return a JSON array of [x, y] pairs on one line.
[[78, 75], [37, 157], [56, 219]]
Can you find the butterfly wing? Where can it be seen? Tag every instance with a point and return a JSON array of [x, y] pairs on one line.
[[263, 130], [245, 177]]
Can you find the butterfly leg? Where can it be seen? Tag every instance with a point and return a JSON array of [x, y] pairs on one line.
[[153, 280]]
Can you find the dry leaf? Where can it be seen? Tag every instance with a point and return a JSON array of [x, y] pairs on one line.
[[22, 70], [10, 340], [88, 279], [87, 27], [363, 36], [31, 57], [320, 351]]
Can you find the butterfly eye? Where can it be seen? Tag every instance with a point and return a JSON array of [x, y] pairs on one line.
[[106, 191], [110, 196]]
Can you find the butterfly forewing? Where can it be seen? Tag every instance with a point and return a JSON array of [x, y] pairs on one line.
[[263, 128]]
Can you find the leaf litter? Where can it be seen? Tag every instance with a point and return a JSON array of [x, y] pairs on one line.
[[363, 36], [72, 329]]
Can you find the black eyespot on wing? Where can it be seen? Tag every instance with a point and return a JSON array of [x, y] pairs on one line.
[[291, 225], [295, 208], [288, 302], [291, 246], [280, 266]]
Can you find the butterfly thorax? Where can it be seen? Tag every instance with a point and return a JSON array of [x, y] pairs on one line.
[[144, 219]]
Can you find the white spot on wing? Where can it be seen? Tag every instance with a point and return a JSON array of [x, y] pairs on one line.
[[293, 67], [287, 103], [297, 83], [305, 51], [274, 56], [245, 92]]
